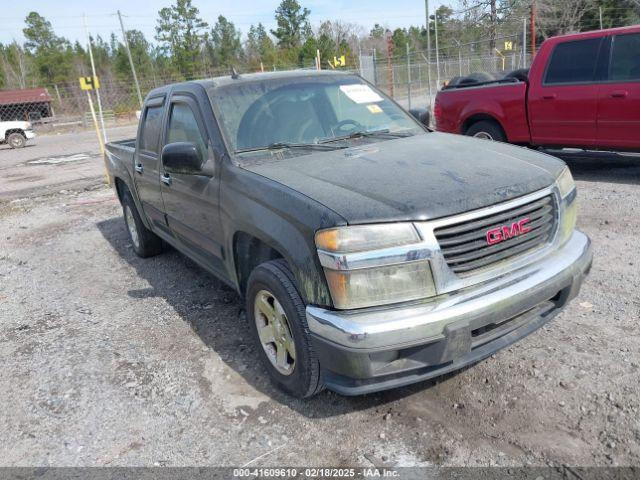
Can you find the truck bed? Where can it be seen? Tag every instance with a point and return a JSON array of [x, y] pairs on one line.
[[506, 102], [119, 157]]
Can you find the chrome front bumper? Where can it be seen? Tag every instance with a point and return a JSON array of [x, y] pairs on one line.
[[371, 341]]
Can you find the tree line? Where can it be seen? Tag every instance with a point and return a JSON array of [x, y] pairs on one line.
[[186, 46]]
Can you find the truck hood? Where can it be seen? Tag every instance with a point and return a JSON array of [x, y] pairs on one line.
[[417, 178], [15, 124]]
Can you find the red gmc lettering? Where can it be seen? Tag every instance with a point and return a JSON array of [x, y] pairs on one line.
[[500, 234]]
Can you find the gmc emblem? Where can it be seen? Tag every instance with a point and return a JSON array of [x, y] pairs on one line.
[[505, 232]]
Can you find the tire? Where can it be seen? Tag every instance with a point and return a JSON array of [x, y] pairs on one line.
[[476, 77], [302, 378], [522, 74], [16, 140], [145, 242], [487, 130]]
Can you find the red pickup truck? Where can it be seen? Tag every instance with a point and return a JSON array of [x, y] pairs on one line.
[[582, 91]]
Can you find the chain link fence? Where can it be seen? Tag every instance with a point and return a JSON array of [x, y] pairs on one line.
[[411, 80]]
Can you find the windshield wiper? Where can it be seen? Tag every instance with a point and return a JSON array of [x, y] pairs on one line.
[[384, 133], [286, 145]]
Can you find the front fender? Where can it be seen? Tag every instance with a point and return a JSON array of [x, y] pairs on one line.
[[281, 218]]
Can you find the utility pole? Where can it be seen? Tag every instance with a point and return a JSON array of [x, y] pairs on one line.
[[389, 65], [133, 68], [600, 15], [532, 26], [524, 43], [435, 28], [93, 70], [493, 28], [408, 77], [426, 10]]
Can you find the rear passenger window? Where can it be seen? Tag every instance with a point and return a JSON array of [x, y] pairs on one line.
[[151, 129], [625, 58], [573, 62]]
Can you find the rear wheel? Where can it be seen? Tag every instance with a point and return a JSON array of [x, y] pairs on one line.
[[145, 242], [486, 130], [277, 319], [16, 140]]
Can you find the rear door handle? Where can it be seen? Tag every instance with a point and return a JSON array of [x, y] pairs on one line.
[[165, 178], [139, 168], [619, 94], [551, 96]]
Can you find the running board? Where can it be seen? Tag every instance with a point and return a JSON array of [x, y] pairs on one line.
[[598, 154]]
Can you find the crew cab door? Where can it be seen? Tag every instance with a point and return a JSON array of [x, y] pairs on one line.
[[191, 199], [147, 161], [619, 95], [563, 104]]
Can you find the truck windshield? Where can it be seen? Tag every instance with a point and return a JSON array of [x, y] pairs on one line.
[[307, 112]]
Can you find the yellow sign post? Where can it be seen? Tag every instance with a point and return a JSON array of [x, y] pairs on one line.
[[508, 46], [87, 84]]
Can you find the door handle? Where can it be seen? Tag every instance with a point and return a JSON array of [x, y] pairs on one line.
[[139, 168], [165, 178], [619, 94], [551, 96]]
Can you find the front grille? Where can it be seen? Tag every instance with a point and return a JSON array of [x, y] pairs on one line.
[[465, 247]]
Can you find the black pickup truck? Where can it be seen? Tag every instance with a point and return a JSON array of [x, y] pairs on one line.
[[371, 252]]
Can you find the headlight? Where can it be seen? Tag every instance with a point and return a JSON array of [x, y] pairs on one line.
[[565, 182], [374, 265], [568, 206], [366, 237]]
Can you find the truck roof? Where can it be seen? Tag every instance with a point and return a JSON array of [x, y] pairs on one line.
[[597, 33], [215, 82]]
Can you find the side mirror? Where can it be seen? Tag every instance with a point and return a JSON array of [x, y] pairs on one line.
[[182, 157], [422, 115]]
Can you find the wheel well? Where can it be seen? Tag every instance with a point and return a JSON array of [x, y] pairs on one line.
[[479, 118], [248, 253], [14, 130]]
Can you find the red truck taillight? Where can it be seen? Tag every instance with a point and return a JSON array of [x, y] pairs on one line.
[[437, 112]]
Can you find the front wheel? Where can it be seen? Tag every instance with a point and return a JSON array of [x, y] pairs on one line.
[[277, 320], [486, 130], [16, 140]]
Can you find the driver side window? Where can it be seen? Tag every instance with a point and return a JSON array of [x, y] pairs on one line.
[[183, 127]]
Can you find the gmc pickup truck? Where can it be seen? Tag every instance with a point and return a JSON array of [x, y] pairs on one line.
[[371, 252], [582, 91]]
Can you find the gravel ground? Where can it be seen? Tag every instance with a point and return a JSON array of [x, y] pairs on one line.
[[112, 360]]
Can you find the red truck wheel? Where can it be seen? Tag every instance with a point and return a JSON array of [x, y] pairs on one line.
[[486, 130]]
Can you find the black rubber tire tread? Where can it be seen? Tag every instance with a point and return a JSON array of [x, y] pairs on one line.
[[150, 244], [521, 74], [16, 135], [306, 380], [492, 128]]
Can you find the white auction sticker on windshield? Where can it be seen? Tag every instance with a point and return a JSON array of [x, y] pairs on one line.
[[360, 93]]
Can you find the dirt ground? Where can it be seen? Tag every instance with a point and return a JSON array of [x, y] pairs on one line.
[[111, 360]]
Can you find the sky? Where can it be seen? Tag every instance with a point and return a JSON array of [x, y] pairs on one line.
[[66, 16]]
